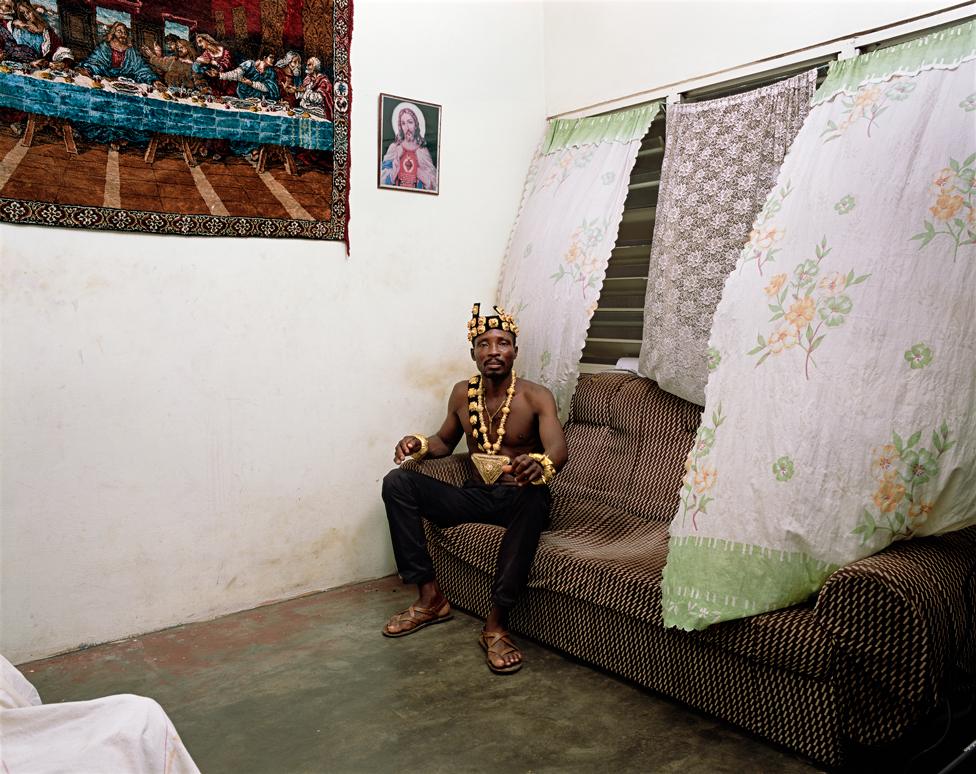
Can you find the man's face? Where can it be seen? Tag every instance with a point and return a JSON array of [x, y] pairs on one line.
[[409, 127], [311, 67], [494, 352], [6, 8], [295, 66], [28, 14], [120, 33]]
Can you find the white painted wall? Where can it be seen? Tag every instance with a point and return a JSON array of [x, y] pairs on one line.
[[597, 50], [196, 426]]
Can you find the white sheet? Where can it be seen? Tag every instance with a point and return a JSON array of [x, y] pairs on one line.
[[112, 735]]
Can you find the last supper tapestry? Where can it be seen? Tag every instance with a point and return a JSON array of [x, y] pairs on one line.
[[202, 117]]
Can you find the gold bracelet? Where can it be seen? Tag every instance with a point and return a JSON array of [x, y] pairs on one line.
[[419, 455], [548, 469]]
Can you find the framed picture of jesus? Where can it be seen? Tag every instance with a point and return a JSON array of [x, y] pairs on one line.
[[409, 144]]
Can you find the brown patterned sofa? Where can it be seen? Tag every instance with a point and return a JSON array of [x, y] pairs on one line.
[[860, 664]]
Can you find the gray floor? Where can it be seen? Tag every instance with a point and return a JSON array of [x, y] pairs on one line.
[[310, 686]]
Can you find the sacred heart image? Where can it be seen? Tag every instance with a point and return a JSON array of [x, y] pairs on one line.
[[204, 117], [410, 143]]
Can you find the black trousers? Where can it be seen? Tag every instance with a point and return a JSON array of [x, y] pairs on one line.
[[522, 510]]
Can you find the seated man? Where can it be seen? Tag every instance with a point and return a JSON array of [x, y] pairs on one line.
[[515, 441]]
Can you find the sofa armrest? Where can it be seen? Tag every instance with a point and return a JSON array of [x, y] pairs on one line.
[[902, 620], [455, 469]]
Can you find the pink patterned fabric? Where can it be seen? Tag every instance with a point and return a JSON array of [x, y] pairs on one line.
[[720, 161]]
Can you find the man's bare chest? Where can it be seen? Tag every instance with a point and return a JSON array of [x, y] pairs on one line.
[[521, 426]]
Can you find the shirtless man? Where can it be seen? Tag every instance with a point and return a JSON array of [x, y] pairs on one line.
[[517, 445]]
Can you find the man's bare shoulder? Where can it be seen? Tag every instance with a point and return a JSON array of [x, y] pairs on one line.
[[459, 391], [536, 393]]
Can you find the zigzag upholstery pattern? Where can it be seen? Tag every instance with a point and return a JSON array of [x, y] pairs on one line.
[[864, 662]]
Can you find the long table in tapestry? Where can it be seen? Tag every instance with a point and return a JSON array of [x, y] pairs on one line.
[[136, 106]]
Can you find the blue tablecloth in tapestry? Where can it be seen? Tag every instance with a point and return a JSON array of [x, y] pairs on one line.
[[153, 113]]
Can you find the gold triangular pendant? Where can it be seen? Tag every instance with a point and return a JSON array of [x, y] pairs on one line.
[[489, 466]]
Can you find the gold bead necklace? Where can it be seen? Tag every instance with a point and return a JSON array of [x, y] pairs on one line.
[[478, 411]]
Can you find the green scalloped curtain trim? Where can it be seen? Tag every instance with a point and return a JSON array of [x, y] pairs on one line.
[[708, 580], [625, 126], [940, 50]]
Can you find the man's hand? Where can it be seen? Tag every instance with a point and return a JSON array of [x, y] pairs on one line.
[[408, 445], [524, 469]]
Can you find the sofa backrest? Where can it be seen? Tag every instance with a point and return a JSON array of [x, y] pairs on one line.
[[628, 440]]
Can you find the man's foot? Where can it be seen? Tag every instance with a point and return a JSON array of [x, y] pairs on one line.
[[417, 617], [501, 654]]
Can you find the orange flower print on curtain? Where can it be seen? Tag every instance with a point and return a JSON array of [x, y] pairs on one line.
[[807, 306], [700, 476], [765, 237], [867, 105], [954, 209], [902, 502]]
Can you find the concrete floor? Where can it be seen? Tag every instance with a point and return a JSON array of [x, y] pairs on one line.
[[310, 685]]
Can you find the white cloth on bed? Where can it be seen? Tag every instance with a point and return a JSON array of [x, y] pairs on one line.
[[111, 735]]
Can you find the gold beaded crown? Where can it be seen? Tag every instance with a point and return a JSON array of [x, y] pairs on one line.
[[478, 324]]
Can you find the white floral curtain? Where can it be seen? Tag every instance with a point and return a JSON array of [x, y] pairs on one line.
[[842, 414], [564, 233], [720, 161]]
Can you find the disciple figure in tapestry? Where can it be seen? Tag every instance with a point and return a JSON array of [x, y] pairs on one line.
[[315, 90], [27, 35], [255, 78], [407, 162], [177, 88], [175, 66]]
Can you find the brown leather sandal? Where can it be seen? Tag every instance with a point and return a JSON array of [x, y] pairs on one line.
[[499, 645], [419, 617]]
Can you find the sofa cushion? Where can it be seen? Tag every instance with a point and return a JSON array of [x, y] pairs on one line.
[[627, 442], [614, 560]]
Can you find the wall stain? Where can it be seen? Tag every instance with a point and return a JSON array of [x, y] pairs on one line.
[[438, 376]]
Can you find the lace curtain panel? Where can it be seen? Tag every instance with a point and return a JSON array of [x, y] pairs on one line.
[[841, 415], [720, 161], [565, 231]]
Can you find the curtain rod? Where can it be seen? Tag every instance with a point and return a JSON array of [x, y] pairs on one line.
[[845, 45]]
